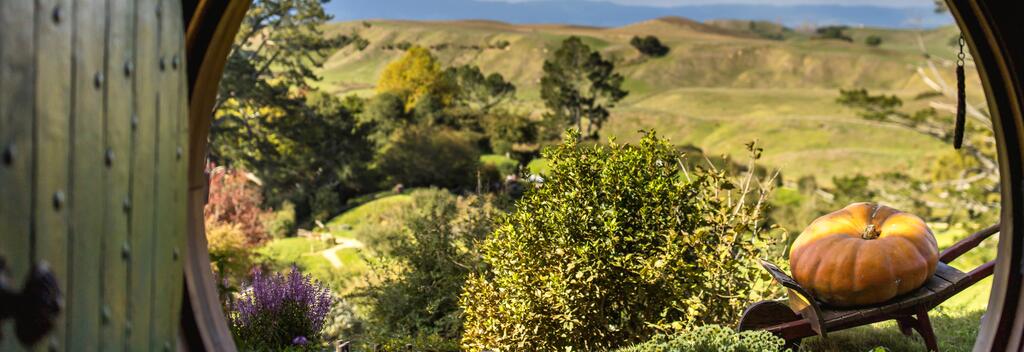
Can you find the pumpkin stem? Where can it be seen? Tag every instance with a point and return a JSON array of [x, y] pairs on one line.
[[870, 232]]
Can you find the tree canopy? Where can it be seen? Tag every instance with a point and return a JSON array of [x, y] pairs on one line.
[[415, 75], [578, 85], [649, 46], [269, 119]]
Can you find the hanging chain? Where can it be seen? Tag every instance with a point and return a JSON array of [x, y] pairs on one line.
[[961, 96], [960, 57]]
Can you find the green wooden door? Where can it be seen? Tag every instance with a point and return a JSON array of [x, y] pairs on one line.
[[93, 131]]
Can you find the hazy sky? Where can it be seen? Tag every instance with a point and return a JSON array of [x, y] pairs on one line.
[[666, 3]]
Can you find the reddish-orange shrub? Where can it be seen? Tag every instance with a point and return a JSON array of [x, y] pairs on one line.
[[235, 200]]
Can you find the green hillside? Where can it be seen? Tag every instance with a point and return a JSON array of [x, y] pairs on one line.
[[723, 84]]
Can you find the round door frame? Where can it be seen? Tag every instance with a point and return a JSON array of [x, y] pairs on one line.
[[990, 27]]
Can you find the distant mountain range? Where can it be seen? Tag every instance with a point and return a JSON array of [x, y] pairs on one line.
[[605, 14]]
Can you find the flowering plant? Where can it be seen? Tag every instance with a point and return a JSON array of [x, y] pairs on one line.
[[280, 310]]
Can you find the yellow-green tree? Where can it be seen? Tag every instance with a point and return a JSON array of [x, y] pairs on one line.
[[415, 75]]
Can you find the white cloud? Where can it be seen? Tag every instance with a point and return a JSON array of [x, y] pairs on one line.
[[670, 3]]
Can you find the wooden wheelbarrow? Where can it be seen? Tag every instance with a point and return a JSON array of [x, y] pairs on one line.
[[803, 316]]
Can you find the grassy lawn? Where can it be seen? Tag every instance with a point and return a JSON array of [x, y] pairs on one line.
[[374, 212], [504, 164], [308, 255]]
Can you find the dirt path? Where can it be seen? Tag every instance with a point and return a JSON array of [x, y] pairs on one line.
[[331, 254]]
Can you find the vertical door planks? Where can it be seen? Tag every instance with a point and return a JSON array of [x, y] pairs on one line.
[[52, 103], [93, 166], [16, 81], [118, 123], [166, 253], [143, 176], [86, 194]]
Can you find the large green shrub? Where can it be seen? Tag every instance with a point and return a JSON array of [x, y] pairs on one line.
[[711, 338], [430, 156], [619, 243], [415, 298]]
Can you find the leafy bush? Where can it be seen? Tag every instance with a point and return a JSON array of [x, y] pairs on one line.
[[428, 156], [416, 297], [507, 129], [711, 338], [341, 321], [280, 310], [235, 200], [230, 257], [280, 223], [618, 244], [833, 32], [649, 46], [873, 40]]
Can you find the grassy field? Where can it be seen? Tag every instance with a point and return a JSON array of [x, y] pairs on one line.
[[719, 88]]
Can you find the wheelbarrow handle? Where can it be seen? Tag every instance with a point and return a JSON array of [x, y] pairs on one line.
[[801, 301]]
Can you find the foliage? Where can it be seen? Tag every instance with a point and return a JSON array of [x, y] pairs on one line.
[[416, 75], [649, 46], [270, 120], [429, 156], [479, 92], [431, 254], [711, 338], [312, 155], [873, 40], [578, 84], [231, 257], [505, 129], [280, 223], [618, 244], [870, 107], [833, 32], [341, 321], [235, 200], [504, 165], [963, 186], [278, 309]]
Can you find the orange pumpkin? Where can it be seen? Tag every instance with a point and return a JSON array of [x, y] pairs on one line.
[[864, 254]]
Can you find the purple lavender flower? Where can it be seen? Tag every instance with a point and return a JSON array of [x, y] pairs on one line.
[[281, 308]]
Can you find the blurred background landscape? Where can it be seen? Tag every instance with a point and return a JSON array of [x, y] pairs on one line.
[[386, 148]]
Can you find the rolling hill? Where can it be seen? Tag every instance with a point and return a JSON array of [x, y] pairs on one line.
[[723, 84]]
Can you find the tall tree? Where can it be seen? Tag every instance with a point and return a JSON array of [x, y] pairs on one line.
[[416, 76], [270, 119], [579, 84], [480, 92]]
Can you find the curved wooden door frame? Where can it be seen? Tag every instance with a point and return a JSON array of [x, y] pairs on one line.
[[211, 26], [992, 31]]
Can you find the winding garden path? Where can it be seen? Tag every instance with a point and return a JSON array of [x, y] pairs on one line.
[[331, 254]]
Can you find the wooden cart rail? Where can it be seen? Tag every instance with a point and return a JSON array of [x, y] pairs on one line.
[[802, 315]]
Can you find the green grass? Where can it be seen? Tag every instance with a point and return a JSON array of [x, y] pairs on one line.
[[504, 164], [291, 250], [539, 166], [372, 213], [307, 254]]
